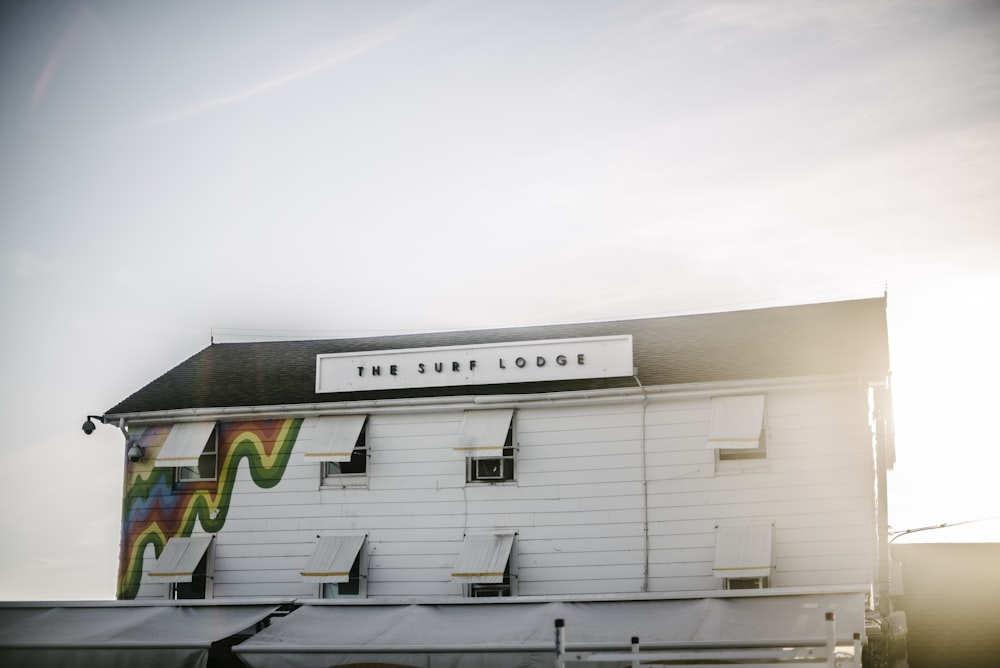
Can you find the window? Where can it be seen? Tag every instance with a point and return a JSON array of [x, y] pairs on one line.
[[340, 443], [198, 585], [737, 454], [191, 449], [488, 444], [356, 465], [351, 588], [493, 469], [339, 564], [184, 564], [743, 555], [208, 461], [746, 583], [737, 428], [486, 564], [492, 590]]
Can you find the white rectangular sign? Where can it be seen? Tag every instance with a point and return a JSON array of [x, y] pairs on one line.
[[485, 364]]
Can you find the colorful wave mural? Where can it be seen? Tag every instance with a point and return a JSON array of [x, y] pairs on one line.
[[155, 510]]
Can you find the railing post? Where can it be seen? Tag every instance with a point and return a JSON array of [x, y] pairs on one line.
[[831, 641], [635, 650], [560, 643], [857, 650]]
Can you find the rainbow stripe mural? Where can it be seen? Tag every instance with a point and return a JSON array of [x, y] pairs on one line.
[[153, 510]]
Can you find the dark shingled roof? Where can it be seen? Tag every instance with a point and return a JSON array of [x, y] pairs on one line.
[[848, 337]]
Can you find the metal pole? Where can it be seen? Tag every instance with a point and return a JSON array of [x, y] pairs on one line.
[[882, 504], [560, 643], [831, 641]]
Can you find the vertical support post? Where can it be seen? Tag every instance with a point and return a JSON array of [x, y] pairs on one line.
[[560, 643], [882, 506], [635, 650], [857, 649], [831, 641]]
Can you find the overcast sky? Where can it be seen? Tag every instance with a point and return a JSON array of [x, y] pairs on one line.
[[322, 169]]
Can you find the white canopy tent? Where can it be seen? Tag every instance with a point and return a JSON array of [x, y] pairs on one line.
[[115, 634], [518, 632]]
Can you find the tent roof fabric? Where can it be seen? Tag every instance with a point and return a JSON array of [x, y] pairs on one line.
[[444, 635], [155, 635], [835, 338]]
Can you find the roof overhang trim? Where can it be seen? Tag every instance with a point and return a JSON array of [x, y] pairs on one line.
[[467, 402]]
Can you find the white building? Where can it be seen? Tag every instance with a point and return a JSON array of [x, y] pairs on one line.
[[653, 470]]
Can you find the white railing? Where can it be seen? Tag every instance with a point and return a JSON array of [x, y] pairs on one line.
[[720, 654]]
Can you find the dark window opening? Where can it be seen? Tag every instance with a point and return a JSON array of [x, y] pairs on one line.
[[197, 587], [747, 583], [349, 589], [737, 454]]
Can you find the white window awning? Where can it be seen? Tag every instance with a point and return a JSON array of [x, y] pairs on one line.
[[333, 557], [484, 433], [179, 559], [331, 438], [483, 557], [736, 422], [184, 444], [743, 551]]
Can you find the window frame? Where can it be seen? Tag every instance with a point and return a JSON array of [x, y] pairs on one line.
[[746, 454], [744, 554], [361, 451], [206, 454], [202, 583], [502, 589], [507, 460], [506, 588], [761, 582], [746, 459], [358, 575]]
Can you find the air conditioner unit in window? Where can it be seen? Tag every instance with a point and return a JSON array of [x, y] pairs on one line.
[[489, 469], [747, 583], [490, 590]]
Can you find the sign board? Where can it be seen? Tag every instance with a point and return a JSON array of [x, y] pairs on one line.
[[484, 364]]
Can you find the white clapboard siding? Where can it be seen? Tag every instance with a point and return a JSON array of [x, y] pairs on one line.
[[578, 504], [683, 583], [627, 552], [824, 548], [288, 548], [628, 583], [251, 589]]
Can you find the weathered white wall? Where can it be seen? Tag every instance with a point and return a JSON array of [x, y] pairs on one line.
[[816, 487], [578, 501]]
